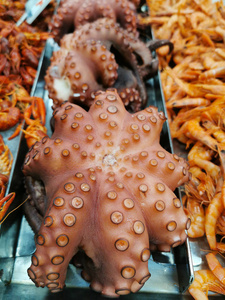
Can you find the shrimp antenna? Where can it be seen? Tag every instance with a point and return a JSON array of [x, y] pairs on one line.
[[14, 209]]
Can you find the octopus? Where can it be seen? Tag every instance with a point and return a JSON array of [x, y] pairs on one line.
[[109, 191], [73, 13], [98, 56]]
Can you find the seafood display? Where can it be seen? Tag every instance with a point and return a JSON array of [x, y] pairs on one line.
[[193, 84], [113, 201]]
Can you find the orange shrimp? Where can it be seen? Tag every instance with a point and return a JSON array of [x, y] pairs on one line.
[[216, 131], [216, 267], [205, 281], [187, 101], [196, 213], [213, 211], [182, 117], [196, 90], [193, 130], [217, 72], [200, 156], [203, 182]]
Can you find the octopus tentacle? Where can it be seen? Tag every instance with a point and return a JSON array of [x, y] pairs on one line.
[[35, 207], [111, 33], [63, 226], [115, 39], [129, 245], [156, 44], [150, 68], [73, 13], [162, 208], [80, 82]]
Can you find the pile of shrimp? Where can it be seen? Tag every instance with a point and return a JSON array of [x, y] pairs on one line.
[[193, 82]]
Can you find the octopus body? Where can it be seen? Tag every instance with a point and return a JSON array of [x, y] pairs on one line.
[[73, 13], [109, 189], [98, 56]]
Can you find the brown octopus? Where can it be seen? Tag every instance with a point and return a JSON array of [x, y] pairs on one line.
[[100, 55], [109, 189], [72, 13]]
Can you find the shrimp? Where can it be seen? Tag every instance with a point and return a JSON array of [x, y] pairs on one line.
[[196, 174], [207, 40], [205, 281], [195, 212], [196, 18], [221, 32], [221, 224], [217, 72], [212, 63], [200, 156], [202, 181], [216, 267], [213, 211], [200, 151], [168, 85], [182, 117], [220, 52], [215, 112], [187, 101], [193, 130], [216, 131], [196, 90], [222, 160]]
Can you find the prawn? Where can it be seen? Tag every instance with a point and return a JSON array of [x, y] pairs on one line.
[[187, 101], [213, 211], [216, 131], [205, 281], [220, 52], [182, 117], [196, 90], [216, 267], [222, 160], [202, 181], [217, 72], [193, 130], [195, 212], [201, 157]]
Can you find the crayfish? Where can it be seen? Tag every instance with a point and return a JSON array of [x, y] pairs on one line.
[[35, 127], [6, 201], [5, 167]]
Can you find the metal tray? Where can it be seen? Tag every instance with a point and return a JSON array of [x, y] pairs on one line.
[[172, 273]]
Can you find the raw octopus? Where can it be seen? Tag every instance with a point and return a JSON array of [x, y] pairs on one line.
[[72, 13], [108, 187], [100, 55]]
